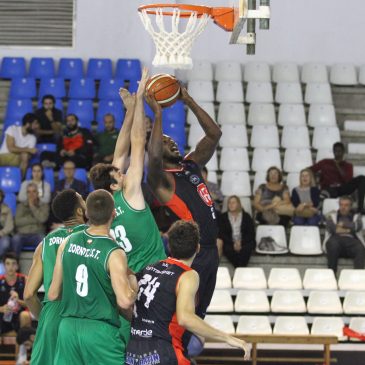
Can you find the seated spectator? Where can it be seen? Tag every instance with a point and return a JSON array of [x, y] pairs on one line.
[[336, 177], [44, 189], [30, 219], [236, 233], [214, 190], [50, 120], [76, 145], [25, 339], [272, 200], [6, 225], [306, 201], [106, 140], [19, 143], [345, 236], [12, 306]]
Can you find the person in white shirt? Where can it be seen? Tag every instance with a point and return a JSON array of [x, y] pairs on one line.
[[19, 143]]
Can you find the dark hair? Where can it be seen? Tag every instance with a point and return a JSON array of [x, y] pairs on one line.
[[109, 115], [24, 334], [271, 169], [347, 197], [73, 115], [183, 239], [100, 176], [204, 169], [41, 167], [11, 256], [64, 204], [29, 118], [49, 96], [338, 144], [2, 194], [99, 207]]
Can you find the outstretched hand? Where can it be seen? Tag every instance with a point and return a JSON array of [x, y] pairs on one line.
[[236, 342], [129, 100], [152, 102], [142, 83], [184, 95]]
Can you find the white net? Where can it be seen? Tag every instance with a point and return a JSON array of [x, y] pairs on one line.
[[172, 47]]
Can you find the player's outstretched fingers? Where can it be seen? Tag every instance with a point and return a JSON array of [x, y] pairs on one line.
[[127, 98]]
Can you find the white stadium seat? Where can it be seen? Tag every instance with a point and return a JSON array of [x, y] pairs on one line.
[[343, 74], [202, 70], [328, 326], [288, 301], [259, 92], [362, 75], [305, 240], [325, 137], [357, 148], [295, 137], [253, 301], [292, 325], [234, 159], [249, 278], [236, 183], [275, 232], [358, 325], [253, 325], [266, 136], [206, 106], [285, 72], [284, 278], [318, 93], [288, 93], [261, 114], [263, 158], [351, 279], [229, 92], [231, 113], [221, 302], [257, 72], [323, 153], [322, 115], [245, 202], [221, 322], [212, 164], [201, 90], [354, 125], [292, 180], [233, 135], [314, 72], [196, 133], [260, 178], [354, 302], [223, 278], [297, 159], [291, 114], [319, 279], [359, 170], [228, 71], [324, 302], [212, 176], [330, 205]]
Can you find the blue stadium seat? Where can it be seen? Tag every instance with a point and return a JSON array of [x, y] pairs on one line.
[[109, 89], [70, 68], [83, 109], [133, 86], [8, 123], [128, 69], [82, 89], [16, 109], [10, 201], [58, 105], [114, 107], [41, 67], [41, 147], [52, 86], [22, 88], [48, 176], [148, 111], [179, 138], [80, 174], [12, 67], [99, 68], [10, 179], [175, 114]]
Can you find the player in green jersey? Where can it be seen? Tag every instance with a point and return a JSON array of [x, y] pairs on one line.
[[69, 207], [92, 275]]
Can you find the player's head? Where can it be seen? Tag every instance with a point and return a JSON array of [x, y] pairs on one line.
[[170, 152], [48, 102], [274, 175], [106, 176], [100, 208], [30, 122], [345, 205], [11, 263], [69, 205], [184, 239], [109, 122], [338, 151], [72, 122]]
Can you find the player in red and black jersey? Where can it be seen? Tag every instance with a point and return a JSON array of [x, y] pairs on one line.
[[165, 306]]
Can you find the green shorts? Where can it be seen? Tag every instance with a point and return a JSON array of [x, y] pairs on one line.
[[44, 347], [88, 342], [125, 331]]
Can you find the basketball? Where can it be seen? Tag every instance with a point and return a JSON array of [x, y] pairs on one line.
[[164, 88]]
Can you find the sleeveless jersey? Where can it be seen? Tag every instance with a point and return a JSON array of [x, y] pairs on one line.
[[155, 308], [50, 246], [137, 233], [192, 201], [87, 289]]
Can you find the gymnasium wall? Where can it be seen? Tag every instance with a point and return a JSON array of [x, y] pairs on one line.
[[326, 30]]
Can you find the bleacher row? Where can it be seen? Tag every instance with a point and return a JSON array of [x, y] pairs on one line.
[[254, 313]]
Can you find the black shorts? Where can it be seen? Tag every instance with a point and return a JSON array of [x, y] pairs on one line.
[[13, 325], [142, 351]]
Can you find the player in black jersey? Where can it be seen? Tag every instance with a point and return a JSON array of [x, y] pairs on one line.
[[165, 305]]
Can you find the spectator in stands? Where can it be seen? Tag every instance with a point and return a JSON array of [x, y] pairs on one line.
[[106, 140], [50, 120], [345, 236], [44, 188], [25, 339], [236, 233], [19, 143], [12, 306], [30, 219], [214, 190], [6, 225], [76, 145], [272, 200], [305, 199], [336, 177]]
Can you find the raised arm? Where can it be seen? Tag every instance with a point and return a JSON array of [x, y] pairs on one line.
[[206, 146], [34, 282]]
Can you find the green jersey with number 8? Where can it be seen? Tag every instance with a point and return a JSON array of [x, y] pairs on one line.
[[137, 233], [87, 289]]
